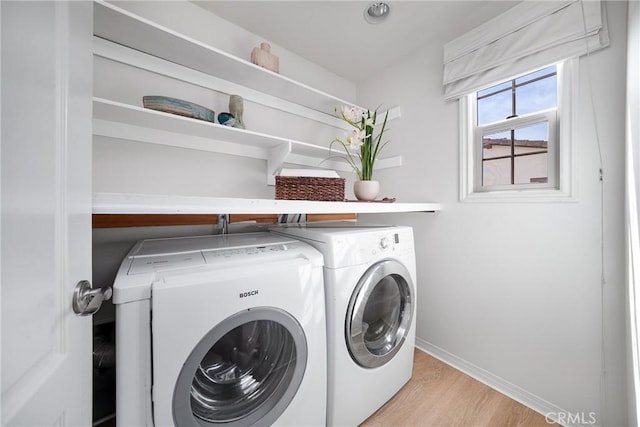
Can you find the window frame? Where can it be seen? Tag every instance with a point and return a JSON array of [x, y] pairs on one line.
[[563, 164]]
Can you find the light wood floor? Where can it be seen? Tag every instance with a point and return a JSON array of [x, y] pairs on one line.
[[438, 395]]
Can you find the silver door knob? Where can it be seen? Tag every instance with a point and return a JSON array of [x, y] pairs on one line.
[[87, 300]]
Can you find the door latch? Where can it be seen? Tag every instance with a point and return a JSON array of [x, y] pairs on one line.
[[87, 300]]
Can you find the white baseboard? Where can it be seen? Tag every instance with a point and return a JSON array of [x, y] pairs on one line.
[[497, 383]]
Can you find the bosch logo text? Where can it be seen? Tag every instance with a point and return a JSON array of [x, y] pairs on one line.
[[248, 294]]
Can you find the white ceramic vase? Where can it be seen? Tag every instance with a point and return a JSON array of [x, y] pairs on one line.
[[366, 190]]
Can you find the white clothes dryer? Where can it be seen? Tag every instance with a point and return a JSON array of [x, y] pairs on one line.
[[220, 331], [370, 290]]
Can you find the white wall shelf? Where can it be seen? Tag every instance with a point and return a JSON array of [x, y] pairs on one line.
[[129, 122], [133, 40], [127, 29], [114, 52], [117, 203]]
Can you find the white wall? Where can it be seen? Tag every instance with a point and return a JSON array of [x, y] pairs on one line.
[[532, 326], [200, 24]]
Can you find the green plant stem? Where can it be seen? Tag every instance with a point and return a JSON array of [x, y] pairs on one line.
[[370, 148]]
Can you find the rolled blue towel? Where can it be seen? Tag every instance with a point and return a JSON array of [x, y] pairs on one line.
[[226, 119], [179, 107]]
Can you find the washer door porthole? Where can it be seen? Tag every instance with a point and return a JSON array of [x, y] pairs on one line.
[[246, 370], [379, 314]]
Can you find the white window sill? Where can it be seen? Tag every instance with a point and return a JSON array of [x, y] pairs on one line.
[[520, 196]]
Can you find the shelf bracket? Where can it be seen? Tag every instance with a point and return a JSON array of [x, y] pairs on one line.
[[277, 156], [223, 221]]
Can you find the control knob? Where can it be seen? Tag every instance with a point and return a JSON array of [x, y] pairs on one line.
[[384, 243]]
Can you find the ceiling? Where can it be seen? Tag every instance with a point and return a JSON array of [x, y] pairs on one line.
[[335, 35]]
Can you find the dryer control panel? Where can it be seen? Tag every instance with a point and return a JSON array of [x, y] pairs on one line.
[[388, 241], [377, 243], [361, 247]]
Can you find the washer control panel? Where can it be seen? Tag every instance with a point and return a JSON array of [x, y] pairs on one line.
[[241, 253], [146, 264]]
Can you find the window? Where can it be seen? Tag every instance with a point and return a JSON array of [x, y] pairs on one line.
[[512, 144], [515, 132]]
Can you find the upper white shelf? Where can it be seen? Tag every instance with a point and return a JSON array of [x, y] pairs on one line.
[[117, 203], [117, 120], [127, 29]]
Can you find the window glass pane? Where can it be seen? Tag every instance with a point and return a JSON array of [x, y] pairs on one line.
[[494, 108], [496, 145], [517, 155], [537, 96], [531, 169], [495, 103], [537, 132], [528, 147], [496, 172], [536, 74], [496, 88], [532, 138]]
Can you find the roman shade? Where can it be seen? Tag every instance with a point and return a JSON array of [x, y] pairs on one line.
[[530, 35]]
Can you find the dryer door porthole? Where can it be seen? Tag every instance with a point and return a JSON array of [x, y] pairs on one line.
[[245, 371], [379, 314]]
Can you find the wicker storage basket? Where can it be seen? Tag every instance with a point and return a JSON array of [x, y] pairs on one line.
[[309, 188]]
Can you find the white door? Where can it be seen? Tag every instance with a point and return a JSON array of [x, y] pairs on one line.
[[46, 70]]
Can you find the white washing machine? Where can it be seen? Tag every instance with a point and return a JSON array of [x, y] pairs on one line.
[[220, 330], [370, 277]]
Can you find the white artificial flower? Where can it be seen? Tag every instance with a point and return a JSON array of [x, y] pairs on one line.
[[355, 139], [366, 147], [352, 114]]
